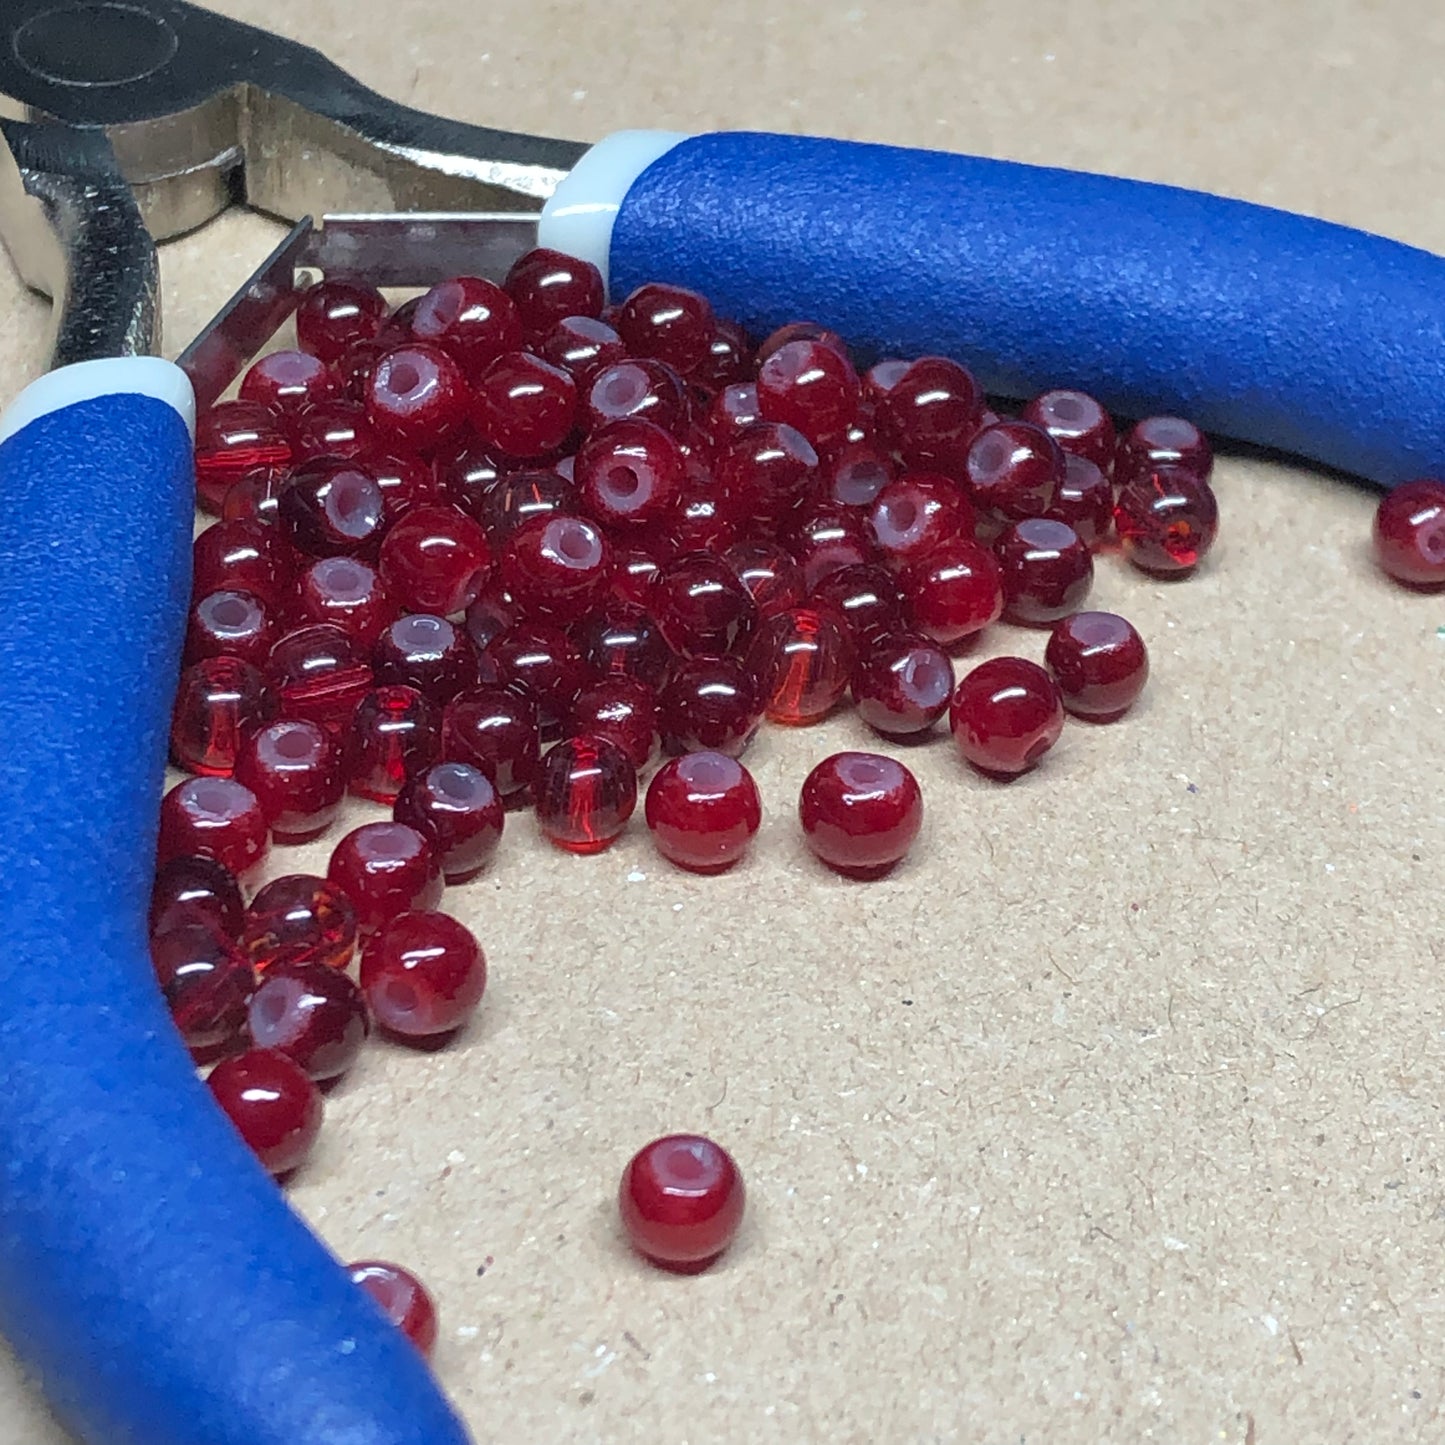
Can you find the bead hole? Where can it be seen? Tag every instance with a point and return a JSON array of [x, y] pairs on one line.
[[293, 745], [401, 997], [231, 613], [623, 483], [455, 785], [1068, 409], [402, 378]]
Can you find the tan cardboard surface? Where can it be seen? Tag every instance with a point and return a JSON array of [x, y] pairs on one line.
[[1116, 1113]]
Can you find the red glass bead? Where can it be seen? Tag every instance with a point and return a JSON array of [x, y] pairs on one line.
[[195, 890], [353, 368], [465, 475], [472, 320], [928, 409], [954, 592], [1409, 533], [524, 406], [276, 1109], [525, 497], [218, 702], [229, 624], [496, 730], [548, 286], [1077, 422], [435, 559], [772, 579], [557, 567], [396, 732], [668, 323], [1085, 500], [827, 538], [903, 684], [234, 439], [1166, 521], [347, 592], [207, 984], [334, 315], [319, 673], [915, 515], [810, 386], [728, 358], [1006, 714], [581, 347], [709, 704], [403, 1300], [239, 557], [701, 606], [681, 1200], [314, 1015], [299, 919], [214, 818], [1014, 469], [854, 472], [704, 518], [634, 569], [458, 810], [703, 810], [331, 429], [288, 381], [331, 508], [405, 481], [622, 710], [426, 652], [544, 662], [623, 641], [731, 412], [385, 869], [489, 616], [417, 398], [1162, 441], [423, 974], [1046, 570], [294, 768], [799, 331], [629, 473], [865, 597], [256, 497], [802, 660], [641, 388], [860, 813], [767, 469], [586, 792], [1100, 664]]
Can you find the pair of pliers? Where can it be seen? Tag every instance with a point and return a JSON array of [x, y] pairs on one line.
[[150, 1273]]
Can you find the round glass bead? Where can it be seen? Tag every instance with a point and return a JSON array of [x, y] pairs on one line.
[[623, 642], [860, 813], [1409, 533], [347, 592], [1085, 500], [866, 597], [1006, 714], [406, 482], [427, 652], [855, 471], [299, 919], [772, 579], [314, 1015], [219, 701], [334, 315], [547, 286], [681, 1200], [456, 807], [294, 768], [230, 624], [195, 890], [586, 792], [731, 412], [256, 497], [629, 473], [667, 323], [1100, 664], [709, 704], [827, 538], [902, 684], [1162, 441], [767, 469], [1014, 469], [331, 429], [1046, 570], [557, 567], [401, 1297], [319, 673], [385, 869], [915, 515], [495, 729], [233, 440], [523, 406], [700, 605], [288, 382], [524, 497], [954, 592], [928, 410], [276, 1109], [582, 347], [395, 732], [1077, 422], [473, 320], [622, 710], [331, 508], [639, 387], [703, 810], [214, 818], [810, 386], [802, 660], [206, 982], [1167, 521], [728, 360], [543, 661], [417, 398], [435, 559], [240, 556], [423, 975]]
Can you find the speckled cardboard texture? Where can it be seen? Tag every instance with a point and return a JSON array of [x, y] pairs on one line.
[[1114, 1114]]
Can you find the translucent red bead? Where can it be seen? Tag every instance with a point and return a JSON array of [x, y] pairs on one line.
[[276, 1109], [1162, 441], [288, 381], [423, 974], [955, 592], [1409, 533], [1099, 663], [401, 1297], [395, 732], [299, 919], [235, 439], [802, 660], [295, 770], [319, 673], [1045, 568], [195, 890], [207, 983], [417, 397], [230, 624], [473, 320], [314, 1015], [1006, 714], [214, 818], [703, 811], [629, 473], [331, 508], [347, 592], [903, 684], [681, 1200], [811, 386], [1166, 520], [385, 869], [700, 605], [456, 807], [435, 559], [219, 701], [557, 567], [860, 813], [711, 704], [495, 729], [667, 323], [1014, 469], [547, 286], [524, 406], [586, 792], [1077, 423]]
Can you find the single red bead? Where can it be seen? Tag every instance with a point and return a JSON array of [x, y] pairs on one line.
[[423, 974], [668, 323], [799, 331], [196, 890], [385, 869], [860, 813], [489, 616], [629, 473], [436, 559], [681, 1201], [581, 347], [703, 810], [1077, 422], [1167, 521], [417, 398], [1085, 500], [465, 475], [402, 1297], [704, 519], [299, 919], [827, 538], [586, 792], [395, 732], [256, 497], [214, 818], [331, 429], [240, 557], [314, 1015], [915, 515], [543, 661], [295, 769], [855, 471], [474, 321], [406, 481], [624, 711], [772, 579], [319, 673], [347, 592], [1006, 714], [218, 702], [902, 684], [1046, 569], [634, 568], [928, 409], [812, 387], [701, 606], [334, 315], [954, 592], [207, 983], [731, 412], [623, 642], [495, 729], [229, 624], [767, 469], [276, 1109], [639, 387], [427, 652], [729, 359], [524, 406], [524, 497], [802, 660], [712, 704], [557, 567], [1100, 664], [548, 286], [1014, 468], [1409, 533], [331, 508], [288, 381], [867, 599], [1162, 441], [456, 807], [233, 440]]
